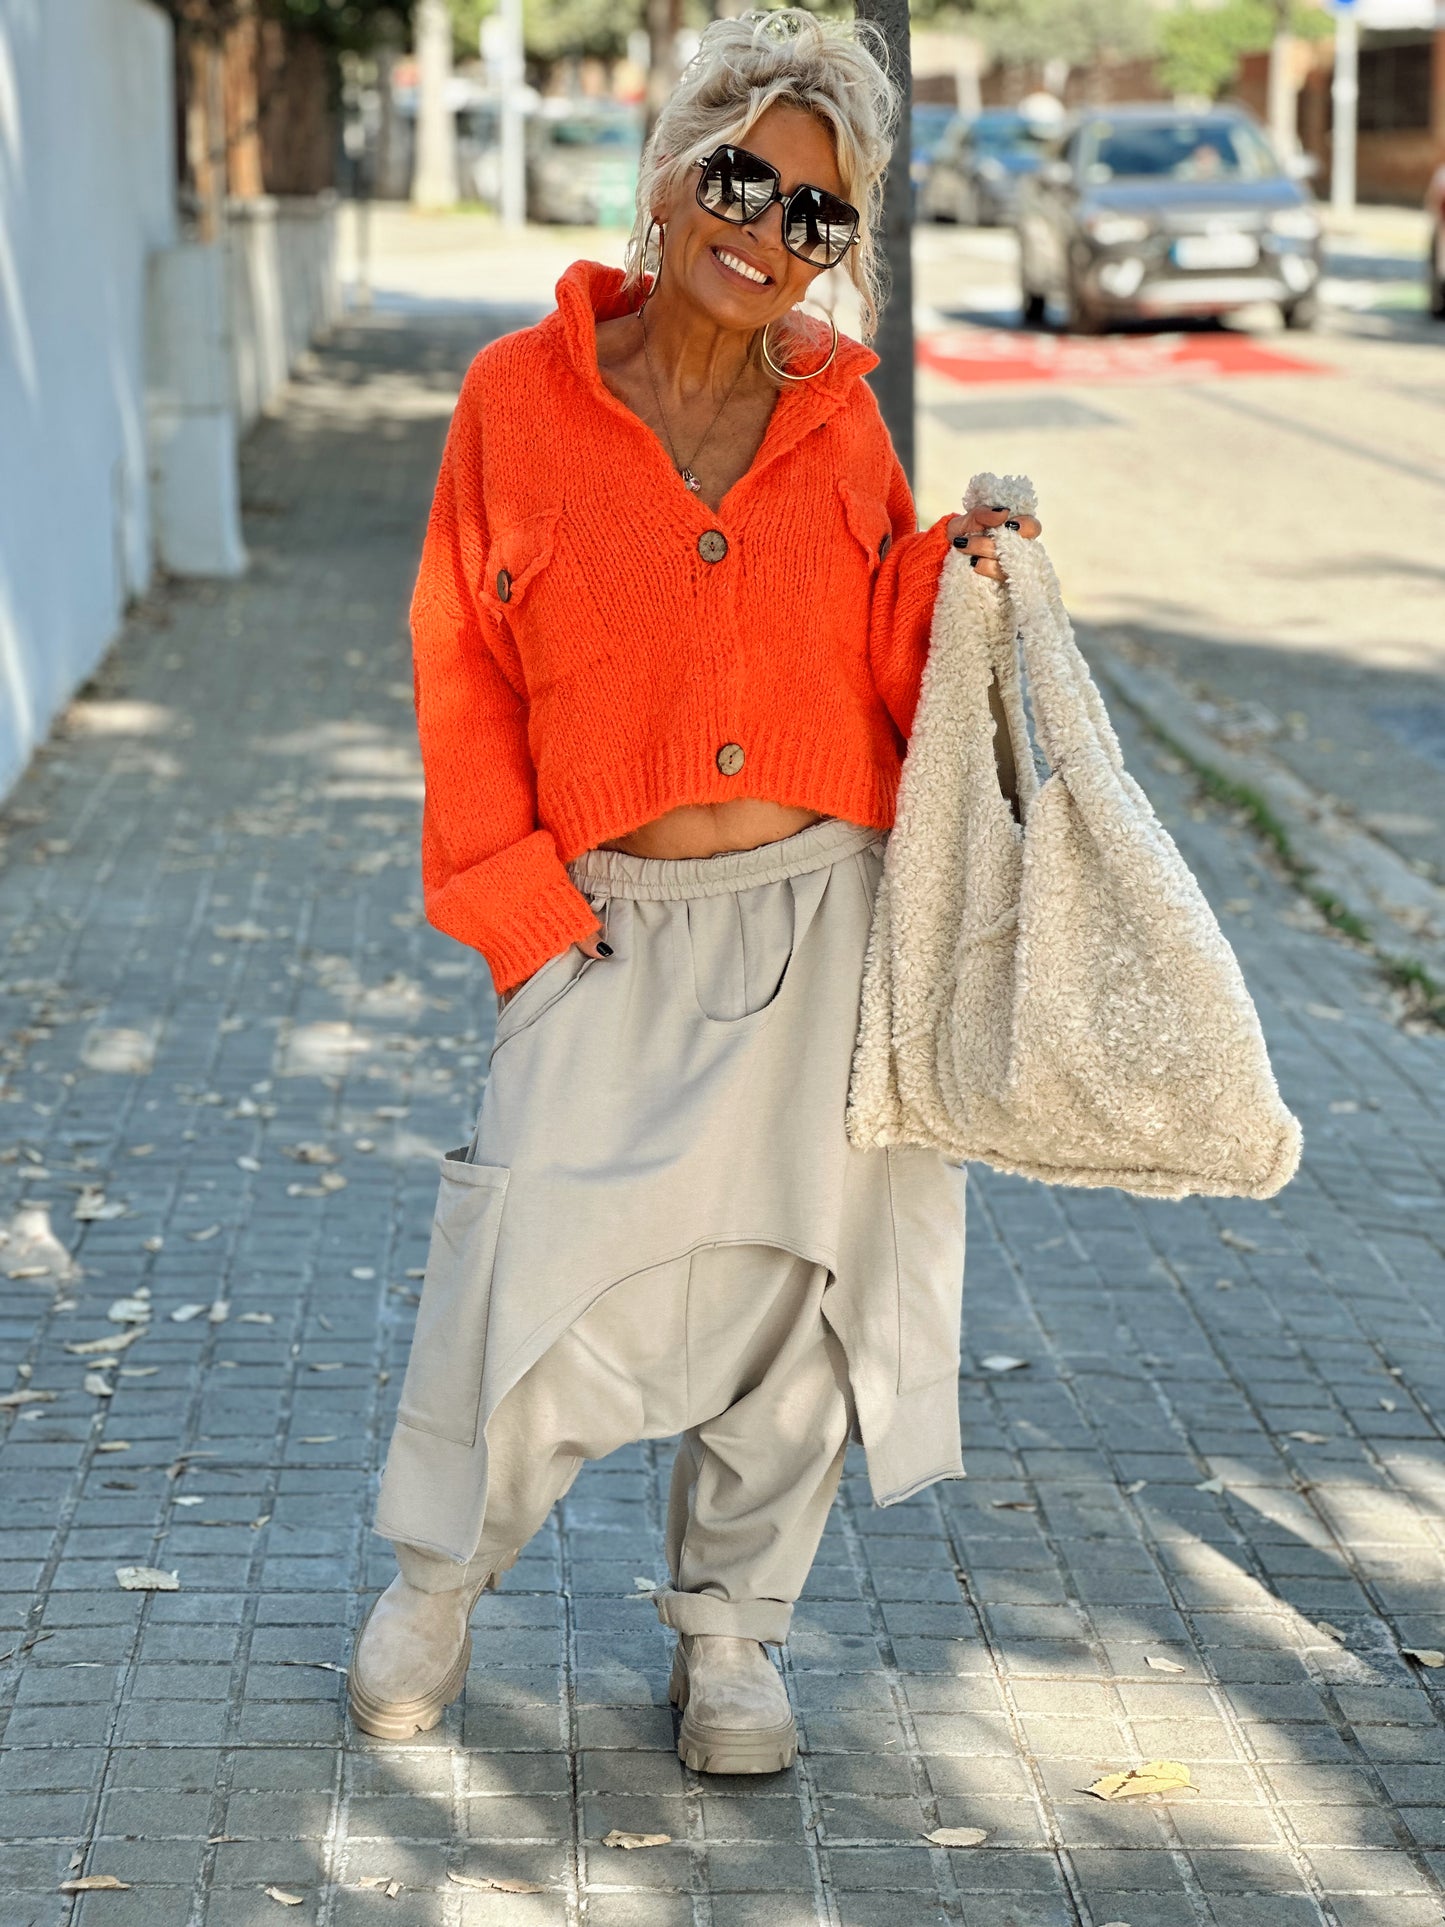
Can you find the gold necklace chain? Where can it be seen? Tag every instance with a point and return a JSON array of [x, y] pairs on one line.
[[685, 469]]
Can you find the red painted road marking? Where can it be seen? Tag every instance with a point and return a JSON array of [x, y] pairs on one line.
[[977, 355]]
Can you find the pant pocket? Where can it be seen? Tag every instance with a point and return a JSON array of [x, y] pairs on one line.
[[442, 1391]]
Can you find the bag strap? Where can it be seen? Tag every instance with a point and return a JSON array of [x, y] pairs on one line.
[[1068, 711]]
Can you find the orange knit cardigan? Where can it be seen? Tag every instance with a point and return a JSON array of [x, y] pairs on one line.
[[594, 645]]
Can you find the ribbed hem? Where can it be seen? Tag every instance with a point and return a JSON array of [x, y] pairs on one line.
[[767, 1620], [608, 801], [518, 908]]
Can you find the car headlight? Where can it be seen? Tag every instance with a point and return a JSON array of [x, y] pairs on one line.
[[1111, 230], [1295, 223]]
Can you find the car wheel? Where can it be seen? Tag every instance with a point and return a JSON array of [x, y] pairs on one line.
[[1303, 313], [1081, 317], [1436, 274], [1033, 308]]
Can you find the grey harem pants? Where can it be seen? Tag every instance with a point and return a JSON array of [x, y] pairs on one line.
[[660, 1226]]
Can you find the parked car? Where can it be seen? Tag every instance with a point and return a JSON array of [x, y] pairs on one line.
[[1146, 211], [582, 164], [978, 165], [929, 122], [1435, 257]]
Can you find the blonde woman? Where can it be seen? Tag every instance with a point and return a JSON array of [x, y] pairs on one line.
[[671, 618]]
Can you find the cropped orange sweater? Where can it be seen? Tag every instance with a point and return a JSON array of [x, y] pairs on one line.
[[593, 645]]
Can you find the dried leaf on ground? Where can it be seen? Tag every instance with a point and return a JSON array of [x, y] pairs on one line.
[[1329, 1631], [1013, 1505], [134, 1310], [500, 1884], [139, 1371], [1237, 1241], [381, 1883], [957, 1836], [1162, 1665], [202, 1236], [1002, 1362], [1135, 1486], [112, 1342], [257, 1318], [99, 1386], [119, 1050], [1389, 1405], [286, 1900], [218, 1311], [190, 1498], [1138, 1782], [28, 1395], [1424, 1655], [1210, 1485], [246, 931], [92, 1205], [113, 1445], [183, 1314], [311, 1153], [317, 1665], [1310, 1438], [619, 1838], [317, 1438], [146, 1579], [94, 1883]]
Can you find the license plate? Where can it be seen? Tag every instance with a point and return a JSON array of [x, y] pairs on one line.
[[1216, 251]]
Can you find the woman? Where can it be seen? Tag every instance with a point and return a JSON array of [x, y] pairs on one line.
[[671, 618]]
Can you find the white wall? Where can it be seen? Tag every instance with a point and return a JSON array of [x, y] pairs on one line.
[[87, 189]]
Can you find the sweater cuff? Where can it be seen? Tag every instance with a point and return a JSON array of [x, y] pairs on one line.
[[519, 908]]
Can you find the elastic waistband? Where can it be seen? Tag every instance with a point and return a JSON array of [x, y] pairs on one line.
[[653, 879]]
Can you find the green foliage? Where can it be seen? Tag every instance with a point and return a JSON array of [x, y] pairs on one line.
[[1081, 32], [1200, 48], [345, 23]]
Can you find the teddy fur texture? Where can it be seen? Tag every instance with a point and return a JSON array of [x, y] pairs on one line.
[[1052, 997]]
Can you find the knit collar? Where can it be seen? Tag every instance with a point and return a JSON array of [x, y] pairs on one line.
[[589, 292]]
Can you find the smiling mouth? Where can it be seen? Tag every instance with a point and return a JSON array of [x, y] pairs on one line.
[[735, 264]]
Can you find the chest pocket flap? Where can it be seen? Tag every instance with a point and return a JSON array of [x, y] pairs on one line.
[[520, 550], [868, 522]]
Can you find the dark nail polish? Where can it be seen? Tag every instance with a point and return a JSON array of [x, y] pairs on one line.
[[1010, 525], [974, 560], [997, 508], [604, 949], [960, 541]]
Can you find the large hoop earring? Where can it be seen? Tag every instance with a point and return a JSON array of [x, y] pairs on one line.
[[653, 227], [787, 374]]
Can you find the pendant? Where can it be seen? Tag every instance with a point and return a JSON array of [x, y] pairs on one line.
[[690, 480]]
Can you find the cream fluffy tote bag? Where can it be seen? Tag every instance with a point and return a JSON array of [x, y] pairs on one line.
[[1052, 997]]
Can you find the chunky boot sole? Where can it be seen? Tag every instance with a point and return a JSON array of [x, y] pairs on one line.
[[404, 1719], [721, 1749]]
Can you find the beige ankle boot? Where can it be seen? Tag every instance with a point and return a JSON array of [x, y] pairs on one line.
[[735, 1712], [410, 1659]]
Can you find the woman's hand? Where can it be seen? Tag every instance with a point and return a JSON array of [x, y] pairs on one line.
[[589, 946], [971, 534]]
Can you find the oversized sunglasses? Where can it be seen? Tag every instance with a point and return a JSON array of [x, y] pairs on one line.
[[737, 186]]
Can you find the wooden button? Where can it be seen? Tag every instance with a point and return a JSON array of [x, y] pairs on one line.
[[730, 758], [504, 585], [712, 545]]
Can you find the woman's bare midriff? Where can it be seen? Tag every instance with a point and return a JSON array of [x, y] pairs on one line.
[[710, 829]]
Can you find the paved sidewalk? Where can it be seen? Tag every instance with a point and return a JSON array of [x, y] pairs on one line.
[[1206, 1514]]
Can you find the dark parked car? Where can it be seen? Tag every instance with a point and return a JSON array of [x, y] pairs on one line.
[[977, 166], [1147, 211], [1435, 256]]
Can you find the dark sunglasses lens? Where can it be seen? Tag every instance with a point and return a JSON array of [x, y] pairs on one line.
[[735, 186], [819, 227]]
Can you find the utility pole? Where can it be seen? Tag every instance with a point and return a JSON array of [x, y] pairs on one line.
[[434, 179], [893, 378], [1345, 98]]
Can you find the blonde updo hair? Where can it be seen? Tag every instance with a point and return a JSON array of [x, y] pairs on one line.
[[834, 70]]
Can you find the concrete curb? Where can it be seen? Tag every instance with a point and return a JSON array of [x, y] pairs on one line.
[[1360, 884]]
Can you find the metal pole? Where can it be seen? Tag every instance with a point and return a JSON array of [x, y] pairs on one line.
[[434, 184], [1345, 96], [513, 77], [893, 378]]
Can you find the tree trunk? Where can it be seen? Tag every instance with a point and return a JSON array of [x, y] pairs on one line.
[[1283, 96], [664, 17], [893, 378], [244, 172], [434, 181]]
